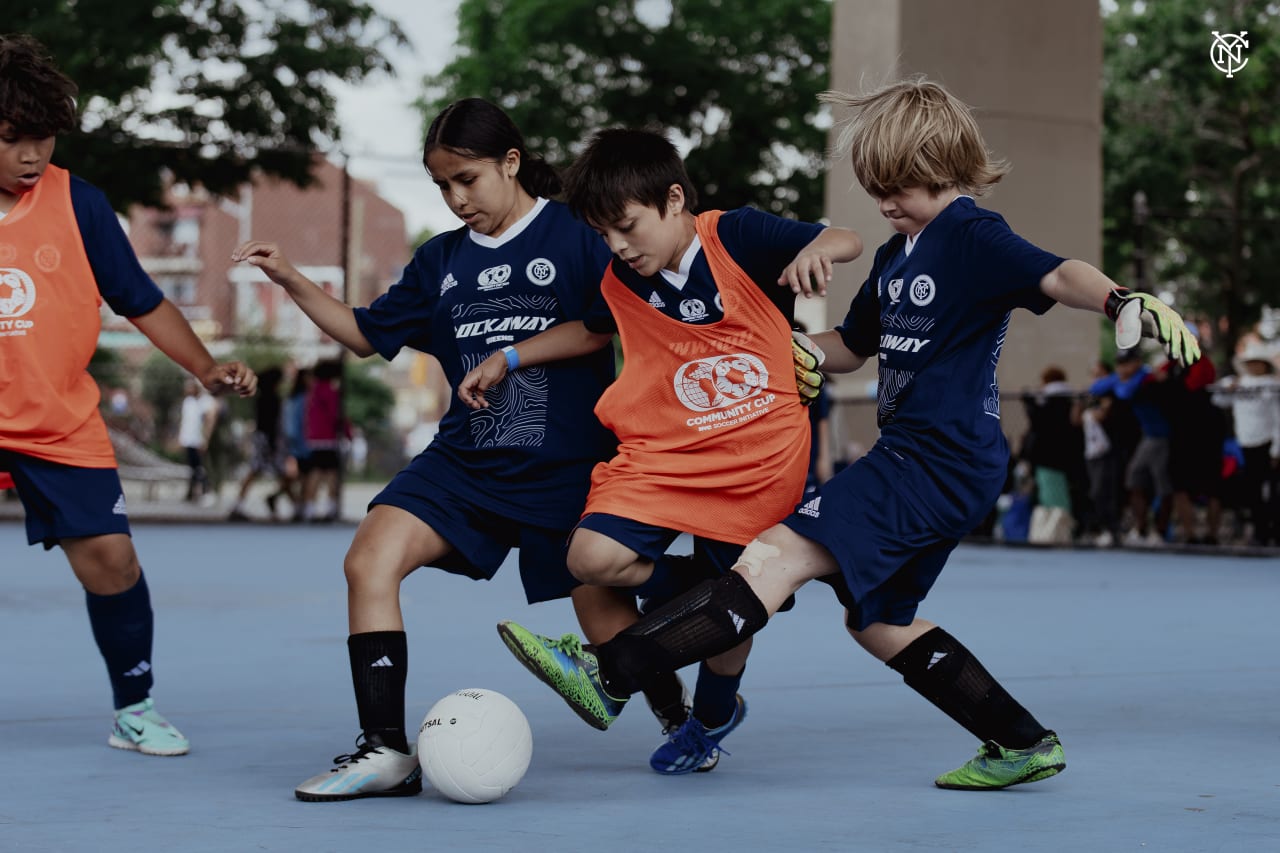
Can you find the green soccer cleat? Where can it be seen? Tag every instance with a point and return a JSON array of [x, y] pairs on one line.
[[568, 669], [139, 727], [995, 767]]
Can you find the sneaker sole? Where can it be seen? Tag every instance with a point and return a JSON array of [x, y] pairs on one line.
[[121, 743], [411, 789], [1035, 776], [587, 715]]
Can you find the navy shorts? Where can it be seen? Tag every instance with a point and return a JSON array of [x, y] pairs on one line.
[[482, 538], [875, 518], [66, 501], [651, 541]]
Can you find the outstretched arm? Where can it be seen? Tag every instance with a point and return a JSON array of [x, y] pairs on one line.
[[332, 315], [567, 340], [165, 327], [1137, 315]]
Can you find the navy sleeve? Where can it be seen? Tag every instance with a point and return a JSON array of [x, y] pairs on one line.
[[402, 316], [1010, 267], [582, 303], [121, 280], [860, 330], [599, 318], [763, 244]]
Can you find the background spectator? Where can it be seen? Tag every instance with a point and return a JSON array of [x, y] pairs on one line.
[[1195, 446], [1054, 448], [195, 426], [1254, 399]]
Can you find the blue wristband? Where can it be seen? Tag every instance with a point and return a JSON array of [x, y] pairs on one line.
[[513, 357]]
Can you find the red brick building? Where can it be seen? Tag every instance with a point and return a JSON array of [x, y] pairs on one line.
[[187, 250]]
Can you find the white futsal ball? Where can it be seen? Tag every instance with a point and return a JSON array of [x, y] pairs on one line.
[[475, 745]]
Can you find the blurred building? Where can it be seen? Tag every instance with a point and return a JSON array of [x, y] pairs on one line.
[[186, 248]]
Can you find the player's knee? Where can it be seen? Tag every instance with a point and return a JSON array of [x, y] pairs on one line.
[[365, 570], [104, 565], [594, 565]]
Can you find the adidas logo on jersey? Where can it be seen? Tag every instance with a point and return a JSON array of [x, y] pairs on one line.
[[449, 281], [119, 508], [656, 301], [142, 668], [811, 508]]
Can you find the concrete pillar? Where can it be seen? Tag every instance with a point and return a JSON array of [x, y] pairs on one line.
[[1032, 73]]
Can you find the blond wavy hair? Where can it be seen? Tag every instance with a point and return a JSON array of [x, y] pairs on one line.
[[914, 133]]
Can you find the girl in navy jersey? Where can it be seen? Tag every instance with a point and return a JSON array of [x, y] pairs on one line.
[[514, 475], [932, 315]]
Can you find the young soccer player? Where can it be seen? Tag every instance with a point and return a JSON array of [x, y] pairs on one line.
[[514, 475], [62, 253], [933, 314], [713, 434]]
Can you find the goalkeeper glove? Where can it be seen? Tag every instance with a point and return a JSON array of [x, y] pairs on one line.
[[808, 357], [1139, 315]]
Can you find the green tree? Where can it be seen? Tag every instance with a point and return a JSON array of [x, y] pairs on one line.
[[161, 388], [737, 82], [367, 402], [107, 368], [1204, 149], [208, 90]]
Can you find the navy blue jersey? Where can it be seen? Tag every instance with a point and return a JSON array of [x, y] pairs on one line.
[[760, 243], [465, 295], [124, 286], [936, 319]]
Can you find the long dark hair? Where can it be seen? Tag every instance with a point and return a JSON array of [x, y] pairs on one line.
[[475, 128]]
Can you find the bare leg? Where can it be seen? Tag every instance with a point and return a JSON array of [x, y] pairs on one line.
[[389, 545]]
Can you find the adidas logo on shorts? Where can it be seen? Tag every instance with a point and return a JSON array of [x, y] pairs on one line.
[[119, 508], [811, 508]]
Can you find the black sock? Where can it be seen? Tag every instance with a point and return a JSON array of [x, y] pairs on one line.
[[123, 627], [708, 620], [943, 671], [666, 696], [673, 576], [379, 669], [715, 698]]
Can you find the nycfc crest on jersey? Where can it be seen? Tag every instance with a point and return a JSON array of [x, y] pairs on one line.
[[541, 271]]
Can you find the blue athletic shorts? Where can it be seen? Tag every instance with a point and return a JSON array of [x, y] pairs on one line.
[[65, 501], [651, 542], [482, 539], [877, 518]]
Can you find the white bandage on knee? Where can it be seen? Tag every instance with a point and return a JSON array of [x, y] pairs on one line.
[[754, 555]]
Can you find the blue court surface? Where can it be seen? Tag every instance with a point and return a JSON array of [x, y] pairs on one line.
[[1161, 673]]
